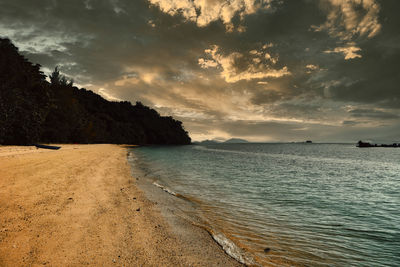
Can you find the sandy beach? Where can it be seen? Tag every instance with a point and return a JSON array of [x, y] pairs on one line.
[[80, 206]]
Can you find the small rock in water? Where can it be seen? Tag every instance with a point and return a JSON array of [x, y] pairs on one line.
[[138, 209], [266, 250]]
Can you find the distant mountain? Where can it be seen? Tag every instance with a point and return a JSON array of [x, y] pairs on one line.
[[236, 141], [207, 142], [33, 110]]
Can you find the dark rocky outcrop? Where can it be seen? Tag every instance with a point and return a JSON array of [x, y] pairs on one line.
[[367, 144]]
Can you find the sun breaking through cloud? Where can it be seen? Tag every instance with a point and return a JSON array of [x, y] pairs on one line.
[[265, 70]]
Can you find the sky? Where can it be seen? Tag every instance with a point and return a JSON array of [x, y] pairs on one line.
[[262, 70]]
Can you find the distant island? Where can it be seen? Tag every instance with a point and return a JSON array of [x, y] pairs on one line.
[[229, 141], [33, 110], [367, 144], [206, 142], [236, 141]]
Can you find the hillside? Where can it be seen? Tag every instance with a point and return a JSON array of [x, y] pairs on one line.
[[34, 110]]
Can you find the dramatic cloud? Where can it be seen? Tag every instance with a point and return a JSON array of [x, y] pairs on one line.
[[203, 12], [236, 66], [348, 19], [350, 52], [270, 70]]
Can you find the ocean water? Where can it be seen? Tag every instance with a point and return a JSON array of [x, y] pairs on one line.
[[288, 204]]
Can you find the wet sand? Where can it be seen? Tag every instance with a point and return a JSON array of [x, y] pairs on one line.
[[80, 206]]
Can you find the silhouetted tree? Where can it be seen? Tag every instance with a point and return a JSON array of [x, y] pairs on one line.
[[58, 79], [33, 110], [24, 97]]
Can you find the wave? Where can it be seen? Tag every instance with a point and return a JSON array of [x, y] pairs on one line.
[[231, 248], [192, 200], [166, 189], [131, 157], [226, 244]]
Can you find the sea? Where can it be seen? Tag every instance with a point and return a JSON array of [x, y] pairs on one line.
[[286, 204]]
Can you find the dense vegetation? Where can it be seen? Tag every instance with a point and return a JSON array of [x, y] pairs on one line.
[[34, 110]]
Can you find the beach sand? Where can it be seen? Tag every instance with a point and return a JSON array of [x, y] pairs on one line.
[[80, 206]]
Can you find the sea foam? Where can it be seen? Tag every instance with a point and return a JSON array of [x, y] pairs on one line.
[[227, 245], [231, 249], [165, 189]]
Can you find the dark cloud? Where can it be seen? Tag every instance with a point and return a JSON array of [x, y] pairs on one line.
[[350, 123], [285, 71], [266, 96], [372, 113]]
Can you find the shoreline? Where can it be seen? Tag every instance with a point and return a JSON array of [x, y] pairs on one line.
[[80, 205], [182, 215], [197, 211]]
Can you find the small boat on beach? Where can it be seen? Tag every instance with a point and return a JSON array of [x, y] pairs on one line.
[[47, 147]]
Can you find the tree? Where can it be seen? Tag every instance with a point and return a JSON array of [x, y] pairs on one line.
[[58, 79], [33, 110]]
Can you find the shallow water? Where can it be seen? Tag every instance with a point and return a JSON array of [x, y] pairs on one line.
[[310, 204]]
